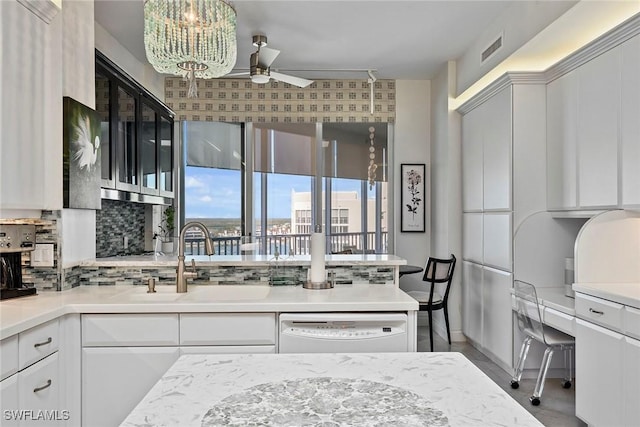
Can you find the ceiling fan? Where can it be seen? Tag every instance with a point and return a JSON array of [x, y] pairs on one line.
[[260, 66]]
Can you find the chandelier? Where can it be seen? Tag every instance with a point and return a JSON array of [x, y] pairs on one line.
[[190, 38]]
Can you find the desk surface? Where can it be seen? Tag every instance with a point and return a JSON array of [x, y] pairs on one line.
[[437, 389], [556, 299]]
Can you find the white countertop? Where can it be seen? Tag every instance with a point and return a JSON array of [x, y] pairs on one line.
[[242, 260], [622, 293], [19, 314], [435, 389]]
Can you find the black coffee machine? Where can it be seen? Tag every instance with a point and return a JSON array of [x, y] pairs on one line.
[[14, 240]]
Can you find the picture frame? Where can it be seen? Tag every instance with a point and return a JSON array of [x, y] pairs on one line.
[[412, 197], [81, 164]]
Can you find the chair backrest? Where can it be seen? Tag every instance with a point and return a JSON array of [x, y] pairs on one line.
[[439, 270], [528, 310]]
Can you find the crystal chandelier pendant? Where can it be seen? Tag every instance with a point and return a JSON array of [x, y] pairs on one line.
[[190, 38]]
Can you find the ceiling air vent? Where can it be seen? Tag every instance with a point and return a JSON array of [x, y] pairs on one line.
[[493, 48]]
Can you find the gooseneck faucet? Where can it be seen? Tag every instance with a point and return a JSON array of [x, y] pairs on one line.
[[182, 274]]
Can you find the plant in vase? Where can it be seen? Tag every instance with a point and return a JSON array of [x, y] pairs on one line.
[[167, 227]]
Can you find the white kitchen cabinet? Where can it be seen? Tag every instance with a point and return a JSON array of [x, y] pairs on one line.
[[233, 329], [115, 379], [599, 386], [472, 236], [497, 329], [228, 349], [9, 400], [497, 240], [39, 389], [562, 175], [598, 111], [508, 117], [631, 384], [496, 151], [472, 301], [630, 123], [472, 134]]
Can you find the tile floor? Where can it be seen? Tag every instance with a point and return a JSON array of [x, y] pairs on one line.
[[557, 408]]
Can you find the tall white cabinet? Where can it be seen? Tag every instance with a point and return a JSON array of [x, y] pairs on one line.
[[503, 178]]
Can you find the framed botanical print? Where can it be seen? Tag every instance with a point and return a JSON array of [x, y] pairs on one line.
[[412, 197]]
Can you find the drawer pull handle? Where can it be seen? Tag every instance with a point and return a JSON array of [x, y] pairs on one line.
[[596, 311], [48, 341], [47, 385]]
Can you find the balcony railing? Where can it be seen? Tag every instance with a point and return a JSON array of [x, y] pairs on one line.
[[286, 244]]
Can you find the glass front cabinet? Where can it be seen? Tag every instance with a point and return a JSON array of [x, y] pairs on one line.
[[137, 134]]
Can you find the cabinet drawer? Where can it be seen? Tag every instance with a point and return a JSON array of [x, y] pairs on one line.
[[599, 311], [228, 349], [631, 323], [560, 321], [227, 329], [127, 330], [37, 343], [9, 359], [39, 387]]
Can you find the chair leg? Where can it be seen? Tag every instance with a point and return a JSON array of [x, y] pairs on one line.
[[446, 321], [431, 329], [568, 374], [542, 375], [524, 350]]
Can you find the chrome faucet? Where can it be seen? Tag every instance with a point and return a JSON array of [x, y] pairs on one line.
[[182, 273]]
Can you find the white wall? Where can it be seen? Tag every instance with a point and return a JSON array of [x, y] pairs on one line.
[[518, 24], [412, 142], [446, 188]]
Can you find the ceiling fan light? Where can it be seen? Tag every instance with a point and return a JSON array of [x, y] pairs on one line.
[[260, 79]]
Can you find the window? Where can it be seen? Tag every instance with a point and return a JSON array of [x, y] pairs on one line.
[[278, 185]]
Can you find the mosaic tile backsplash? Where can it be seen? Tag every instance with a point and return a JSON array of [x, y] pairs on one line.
[[240, 100], [115, 220]]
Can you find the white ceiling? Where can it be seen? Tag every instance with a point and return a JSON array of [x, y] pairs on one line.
[[399, 39]]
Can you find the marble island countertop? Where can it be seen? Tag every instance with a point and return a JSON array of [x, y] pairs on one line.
[[244, 260], [19, 314], [434, 389]]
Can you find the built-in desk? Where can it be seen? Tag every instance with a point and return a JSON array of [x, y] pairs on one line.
[[558, 310]]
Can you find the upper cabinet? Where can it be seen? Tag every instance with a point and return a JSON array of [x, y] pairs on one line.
[[593, 132], [137, 135]]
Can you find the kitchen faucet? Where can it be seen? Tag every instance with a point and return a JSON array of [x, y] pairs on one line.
[[182, 274]]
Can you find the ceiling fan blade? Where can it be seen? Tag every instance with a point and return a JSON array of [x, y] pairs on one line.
[[293, 80], [267, 56], [244, 73]]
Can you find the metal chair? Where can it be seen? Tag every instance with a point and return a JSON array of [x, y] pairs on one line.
[[530, 323], [436, 271]]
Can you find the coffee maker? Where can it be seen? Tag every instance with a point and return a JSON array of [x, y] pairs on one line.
[[14, 240]]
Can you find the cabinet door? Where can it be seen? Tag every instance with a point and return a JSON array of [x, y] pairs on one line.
[[496, 240], [630, 122], [148, 150], [472, 301], [496, 155], [472, 160], [472, 237], [598, 111], [39, 389], [9, 401], [497, 329], [166, 156], [631, 382], [114, 380], [599, 375], [561, 143]]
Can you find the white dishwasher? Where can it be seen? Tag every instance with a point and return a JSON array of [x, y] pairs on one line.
[[342, 332]]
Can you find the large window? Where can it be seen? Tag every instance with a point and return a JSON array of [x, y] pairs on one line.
[[265, 192]]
